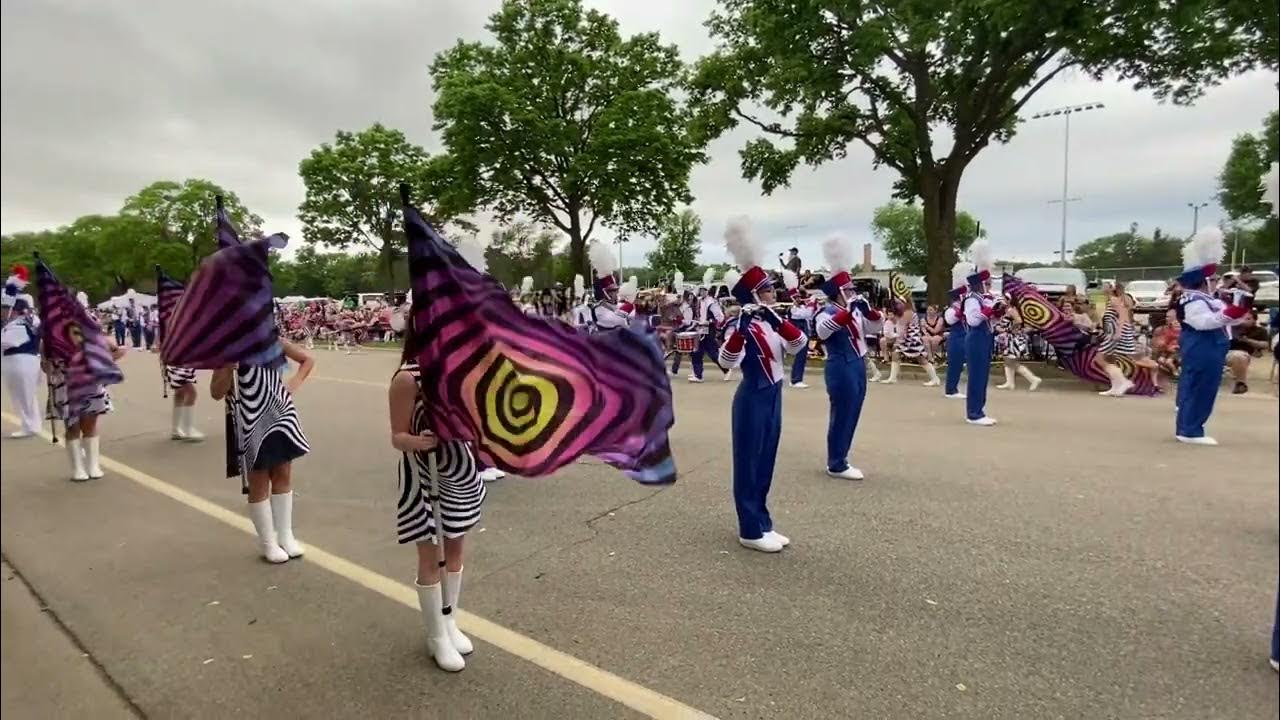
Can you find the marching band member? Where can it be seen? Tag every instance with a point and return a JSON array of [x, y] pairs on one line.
[[756, 343], [604, 314], [21, 341], [979, 309], [526, 296], [1205, 337], [627, 299], [709, 319], [582, 308], [840, 326], [272, 439], [460, 492], [684, 320], [80, 422], [953, 316], [803, 310]]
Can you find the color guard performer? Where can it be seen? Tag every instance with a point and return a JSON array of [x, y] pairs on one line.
[[953, 316], [1206, 326], [979, 309], [756, 342], [709, 319], [840, 326]]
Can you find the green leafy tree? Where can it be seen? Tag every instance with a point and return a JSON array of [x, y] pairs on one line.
[[816, 77], [184, 211], [1239, 182], [900, 229], [522, 250], [353, 191], [564, 120], [1130, 249], [679, 242]]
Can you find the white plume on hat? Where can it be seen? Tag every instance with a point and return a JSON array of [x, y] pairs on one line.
[[603, 260], [635, 283], [731, 277], [790, 279], [742, 245], [677, 282], [1206, 247], [708, 277], [837, 252], [1271, 188], [980, 255], [526, 285], [579, 287], [960, 274], [627, 291], [472, 250], [83, 297]]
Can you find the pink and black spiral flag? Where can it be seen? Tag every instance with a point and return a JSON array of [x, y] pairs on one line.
[[531, 394], [73, 339], [225, 315], [1073, 348], [168, 293]]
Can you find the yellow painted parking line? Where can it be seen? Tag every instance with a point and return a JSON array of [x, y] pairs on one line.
[[637, 697]]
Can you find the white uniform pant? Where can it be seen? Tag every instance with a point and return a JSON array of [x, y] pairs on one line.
[[21, 378]]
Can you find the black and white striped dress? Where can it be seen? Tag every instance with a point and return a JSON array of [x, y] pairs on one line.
[[1125, 343], [179, 377], [910, 343], [99, 403], [269, 424], [460, 489]]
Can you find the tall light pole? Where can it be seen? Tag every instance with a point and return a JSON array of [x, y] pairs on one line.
[[1195, 215], [621, 239], [1066, 113]]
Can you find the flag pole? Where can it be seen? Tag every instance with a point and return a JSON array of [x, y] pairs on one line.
[[49, 405], [433, 479], [164, 384]]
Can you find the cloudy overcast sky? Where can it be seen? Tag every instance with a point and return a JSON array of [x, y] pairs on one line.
[[102, 98]]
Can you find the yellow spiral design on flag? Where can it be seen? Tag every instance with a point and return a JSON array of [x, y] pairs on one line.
[[518, 405], [1126, 366], [898, 286], [74, 334], [1035, 313]]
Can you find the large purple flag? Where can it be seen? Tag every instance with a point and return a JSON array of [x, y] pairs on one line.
[[72, 338], [531, 394], [168, 293], [225, 315], [225, 231]]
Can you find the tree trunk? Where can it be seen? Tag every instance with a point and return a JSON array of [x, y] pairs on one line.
[[939, 196], [577, 248]]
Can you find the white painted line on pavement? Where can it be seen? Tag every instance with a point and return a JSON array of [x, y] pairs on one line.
[[350, 381], [637, 697]]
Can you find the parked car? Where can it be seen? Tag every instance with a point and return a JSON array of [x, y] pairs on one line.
[[1052, 282], [1149, 295], [1268, 295]]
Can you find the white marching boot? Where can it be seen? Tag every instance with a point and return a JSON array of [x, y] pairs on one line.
[[461, 642], [1119, 383], [75, 453], [765, 543], [893, 373], [260, 514], [1009, 384], [439, 645], [179, 431], [933, 375], [282, 518], [91, 458], [875, 370], [1030, 377], [190, 433], [783, 539]]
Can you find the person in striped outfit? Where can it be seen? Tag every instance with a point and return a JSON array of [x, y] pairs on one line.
[[459, 495], [840, 326], [182, 381], [953, 316], [756, 342], [271, 438]]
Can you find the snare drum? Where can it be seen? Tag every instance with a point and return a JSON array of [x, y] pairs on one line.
[[686, 342]]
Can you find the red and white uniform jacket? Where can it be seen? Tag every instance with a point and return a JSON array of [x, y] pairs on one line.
[[759, 351]]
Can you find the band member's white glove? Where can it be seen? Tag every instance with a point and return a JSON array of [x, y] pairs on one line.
[[1241, 297]]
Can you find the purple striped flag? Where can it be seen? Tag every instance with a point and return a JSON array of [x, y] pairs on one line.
[[532, 394], [226, 315], [225, 231], [73, 339], [168, 293]]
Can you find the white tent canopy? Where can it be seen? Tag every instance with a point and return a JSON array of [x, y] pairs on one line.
[[122, 301]]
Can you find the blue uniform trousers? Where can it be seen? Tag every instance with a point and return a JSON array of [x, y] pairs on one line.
[[977, 355], [1203, 355], [955, 357], [756, 427], [846, 389], [706, 346], [802, 358]]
